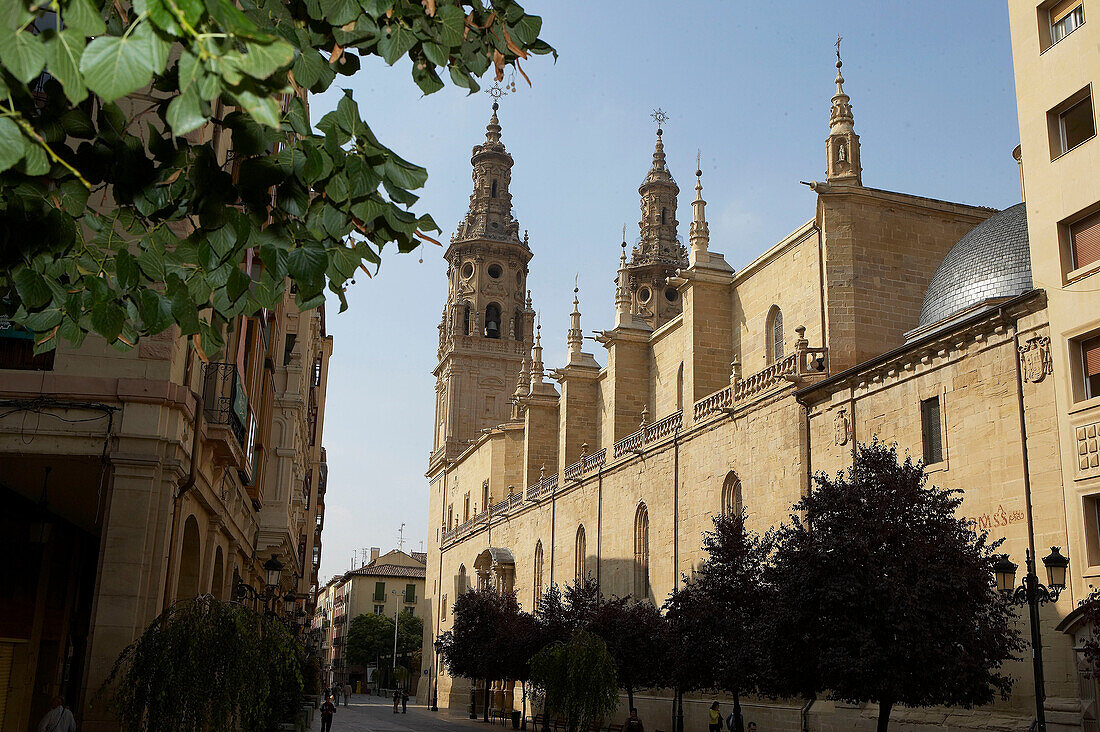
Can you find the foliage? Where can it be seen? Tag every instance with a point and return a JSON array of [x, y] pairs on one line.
[[636, 635], [717, 612], [120, 211], [1090, 646], [410, 633], [471, 648], [369, 636], [576, 681], [207, 665], [890, 597]]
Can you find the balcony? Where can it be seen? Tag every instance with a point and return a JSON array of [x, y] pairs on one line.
[[227, 415]]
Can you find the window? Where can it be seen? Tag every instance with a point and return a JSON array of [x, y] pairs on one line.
[[493, 189], [1090, 366], [410, 593], [664, 211], [380, 591], [1084, 241], [775, 334], [17, 350], [537, 575], [1065, 17], [379, 609], [495, 271], [731, 495], [443, 607], [466, 319], [518, 326], [680, 388], [581, 550], [492, 320], [641, 552], [1071, 123], [466, 508], [485, 494], [931, 432], [288, 347]]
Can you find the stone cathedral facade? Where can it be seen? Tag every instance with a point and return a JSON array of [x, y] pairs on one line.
[[884, 313]]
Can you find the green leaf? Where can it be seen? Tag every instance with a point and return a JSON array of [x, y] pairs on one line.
[[451, 20], [308, 68], [262, 60], [435, 53], [155, 56], [114, 66], [263, 109], [35, 161], [230, 17], [11, 144], [185, 112], [160, 15], [395, 42], [126, 269], [461, 78], [107, 320], [344, 261], [32, 288], [82, 17], [155, 311], [426, 78], [403, 174], [526, 31], [23, 54], [339, 12], [63, 53], [41, 321], [306, 263]]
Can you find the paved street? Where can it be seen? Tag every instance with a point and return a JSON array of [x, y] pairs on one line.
[[374, 714]]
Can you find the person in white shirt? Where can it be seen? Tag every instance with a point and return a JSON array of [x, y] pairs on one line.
[[58, 719]]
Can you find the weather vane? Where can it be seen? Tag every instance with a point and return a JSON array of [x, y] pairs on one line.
[[698, 160], [661, 118], [497, 92], [837, 44]]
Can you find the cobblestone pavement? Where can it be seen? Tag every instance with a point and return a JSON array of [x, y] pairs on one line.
[[374, 714]]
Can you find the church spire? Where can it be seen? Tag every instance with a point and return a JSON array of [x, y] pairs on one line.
[[658, 243], [842, 148], [699, 234]]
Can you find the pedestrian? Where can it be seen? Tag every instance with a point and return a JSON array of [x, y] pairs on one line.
[[633, 724], [58, 718], [327, 710], [404, 701], [396, 699], [715, 718], [732, 720], [347, 692], [752, 727]]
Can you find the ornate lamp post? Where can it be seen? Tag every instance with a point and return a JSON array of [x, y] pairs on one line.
[[1033, 594], [273, 570]]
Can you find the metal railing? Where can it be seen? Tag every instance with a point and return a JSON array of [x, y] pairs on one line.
[[225, 401]]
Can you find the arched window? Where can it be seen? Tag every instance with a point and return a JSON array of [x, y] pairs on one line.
[[775, 334], [493, 191], [519, 325], [579, 570], [187, 585], [538, 575], [641, 552], [466, 319], [460, 580], [663, 212], [731, 495], [680, 388], [492, 320], [217, 579]]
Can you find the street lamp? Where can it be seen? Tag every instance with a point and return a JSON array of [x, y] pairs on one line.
[[1033, 594], [274, 569], [438, 644], [290, 605]]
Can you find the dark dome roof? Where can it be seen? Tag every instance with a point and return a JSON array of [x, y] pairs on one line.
[[992, 261]]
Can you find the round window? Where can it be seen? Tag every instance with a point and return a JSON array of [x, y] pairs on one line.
[[670, 294], [467, 270], [519, 278], [643, 294], [495, 271]]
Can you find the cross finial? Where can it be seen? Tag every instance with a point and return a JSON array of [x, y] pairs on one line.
[[661, 118], [624, 235], [698, 163], [576, 282], [839, 63], [497, 92]]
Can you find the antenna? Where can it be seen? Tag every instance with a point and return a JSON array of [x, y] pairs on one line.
[[401, 537]]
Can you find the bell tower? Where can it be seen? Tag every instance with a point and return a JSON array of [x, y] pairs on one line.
[[842, 148], [658, 253], [486, 329]]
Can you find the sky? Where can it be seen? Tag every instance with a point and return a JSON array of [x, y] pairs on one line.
[[746, 85]]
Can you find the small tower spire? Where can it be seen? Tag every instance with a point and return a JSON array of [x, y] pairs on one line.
[[699, 234], [842, 148], [622, 289], [536, 367], [575, 339]]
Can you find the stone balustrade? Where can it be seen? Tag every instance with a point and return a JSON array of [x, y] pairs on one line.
[[586, 464], [649, 433]]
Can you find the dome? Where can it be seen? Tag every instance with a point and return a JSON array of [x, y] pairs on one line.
[[991, 261]]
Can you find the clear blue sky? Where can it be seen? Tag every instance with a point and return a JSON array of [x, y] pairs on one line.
[[749, 85]]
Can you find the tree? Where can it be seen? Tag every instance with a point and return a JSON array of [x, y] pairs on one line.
[[410, 633], [577, 681], [523, 637], [636, 635], [369, 637], [476, 643], [884, 594], [121, 213], [718, 611], [206, 665]]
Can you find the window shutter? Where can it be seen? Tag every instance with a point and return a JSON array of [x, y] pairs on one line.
[[1062, 9], [1090, 352], [1085, 235]]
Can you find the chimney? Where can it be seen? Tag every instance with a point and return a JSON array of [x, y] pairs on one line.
[[373, 554]]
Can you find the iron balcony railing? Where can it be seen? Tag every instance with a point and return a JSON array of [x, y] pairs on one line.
[[225, 401]]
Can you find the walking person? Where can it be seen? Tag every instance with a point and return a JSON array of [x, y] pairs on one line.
[[732, 721], [752, 727], [633, 724], [347, 692], [58, 719], [404, 701], [396, 699], [715, 718], [327, 710]]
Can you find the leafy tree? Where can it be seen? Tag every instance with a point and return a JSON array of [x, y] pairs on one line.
[[552, 614], [577, 681], [410, 633], [636, 635], [476, 643], [525, 637], [122, 214], [884, 594], [206, 665], [718, 611], [369, 637]]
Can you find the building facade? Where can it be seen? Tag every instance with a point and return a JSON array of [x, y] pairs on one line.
[[129, 481], [889, 315], [389, 584]]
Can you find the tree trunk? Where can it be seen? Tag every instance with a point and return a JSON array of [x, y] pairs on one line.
[[629, 699], [523, 696], [884, 708], [738, 722], [487, 693]]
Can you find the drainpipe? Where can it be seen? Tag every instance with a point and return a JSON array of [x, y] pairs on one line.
[[192, 473], [599, 522], [676, 510], [553, 526]]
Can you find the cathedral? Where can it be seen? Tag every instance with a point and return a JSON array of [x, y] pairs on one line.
[[884, 314]]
